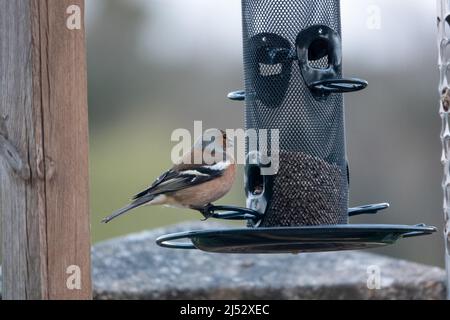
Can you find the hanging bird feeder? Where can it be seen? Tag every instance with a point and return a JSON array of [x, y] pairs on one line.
[[294, 83]]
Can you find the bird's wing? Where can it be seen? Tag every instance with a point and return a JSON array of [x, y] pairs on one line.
[[181, 177]]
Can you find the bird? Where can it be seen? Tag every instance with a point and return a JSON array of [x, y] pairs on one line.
[[191, 185]]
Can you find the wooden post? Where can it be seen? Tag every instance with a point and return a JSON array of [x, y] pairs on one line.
[[44, 150]]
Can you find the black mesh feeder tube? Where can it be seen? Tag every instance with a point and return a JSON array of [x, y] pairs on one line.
[[294, 84], [294, 87]]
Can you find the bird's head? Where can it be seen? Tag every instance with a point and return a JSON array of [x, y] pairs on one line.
[[215, 143]]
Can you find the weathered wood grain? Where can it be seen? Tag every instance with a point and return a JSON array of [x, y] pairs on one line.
[[43, 151]]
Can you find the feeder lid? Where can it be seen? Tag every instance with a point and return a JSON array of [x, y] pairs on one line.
[[294, 240]]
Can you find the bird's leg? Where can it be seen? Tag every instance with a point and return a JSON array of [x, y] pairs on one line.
[[207, 211]]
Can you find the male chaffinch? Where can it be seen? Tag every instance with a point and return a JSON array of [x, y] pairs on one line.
[[190, 185]]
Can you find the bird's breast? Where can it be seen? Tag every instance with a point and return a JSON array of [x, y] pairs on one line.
[[207, 192]]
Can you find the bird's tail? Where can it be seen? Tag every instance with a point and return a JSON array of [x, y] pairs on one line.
[[135, 204]]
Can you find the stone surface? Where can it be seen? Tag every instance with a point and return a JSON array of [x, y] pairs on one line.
[[134, 267]]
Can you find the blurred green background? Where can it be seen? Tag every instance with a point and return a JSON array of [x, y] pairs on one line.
[[156, 65]]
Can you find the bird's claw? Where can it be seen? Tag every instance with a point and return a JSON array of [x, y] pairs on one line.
[[207, 212]]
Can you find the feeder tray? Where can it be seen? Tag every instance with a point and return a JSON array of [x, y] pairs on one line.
[[292, 239]]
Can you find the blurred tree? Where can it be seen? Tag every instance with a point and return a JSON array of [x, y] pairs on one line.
[[116, 71]]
